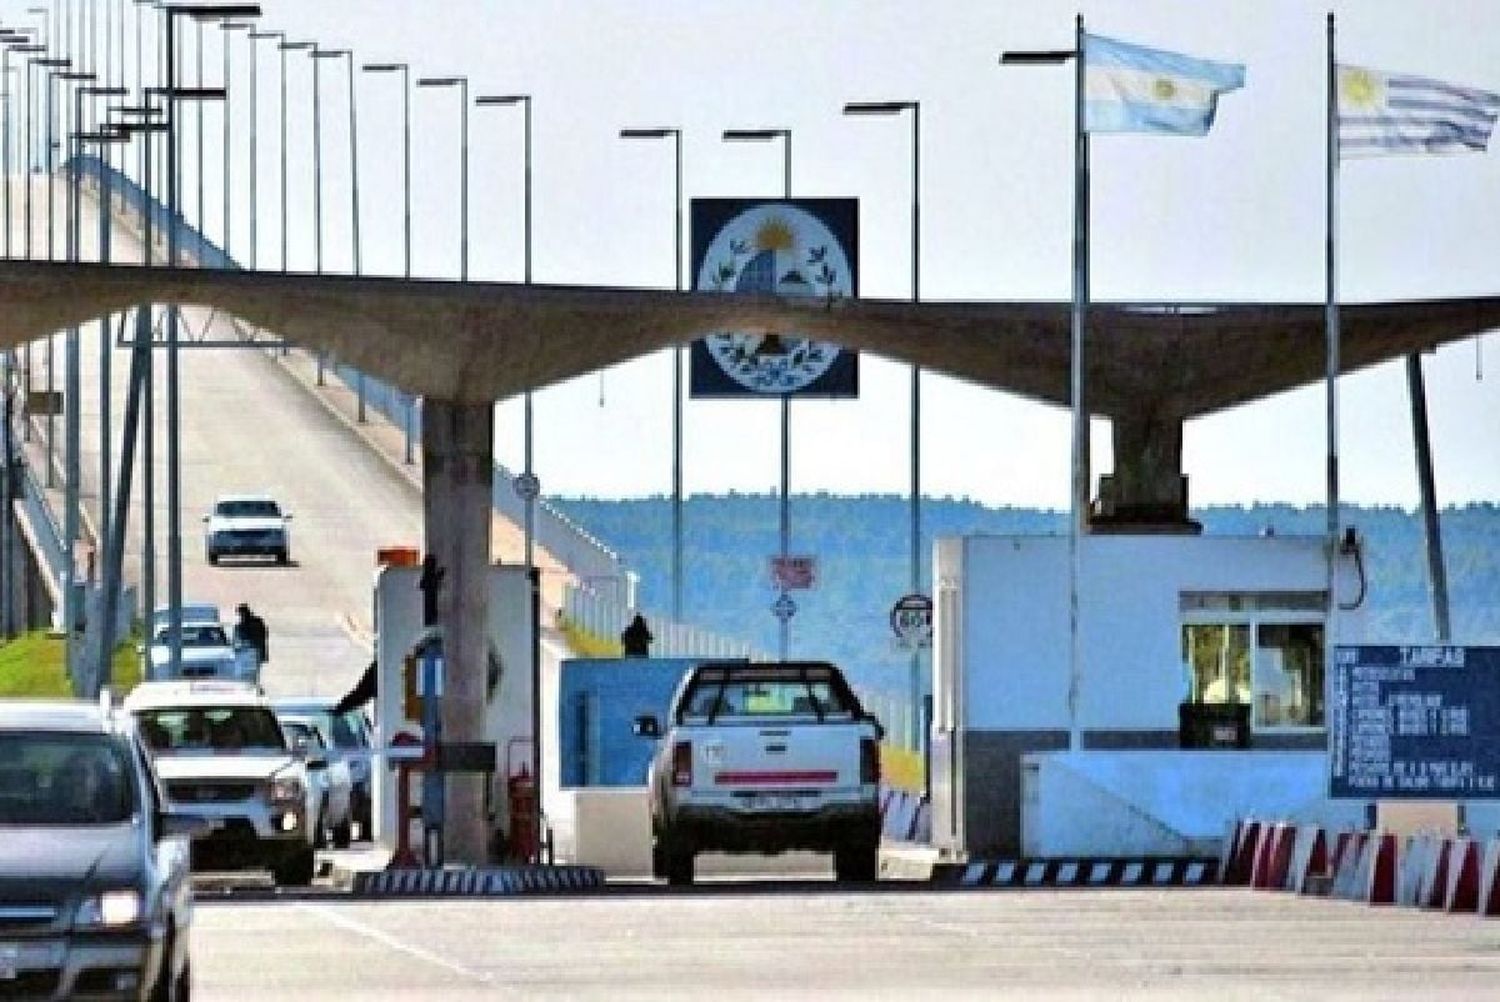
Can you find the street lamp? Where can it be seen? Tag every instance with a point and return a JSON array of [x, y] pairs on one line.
[[47, 64], [1077, 523], [528, 486], [405, 72], [285, 47], [784, 608], [256, 36], [226, 27], [175, 95], [676, 136], [884, 109], [353, 191], [462, 83], [11, 118]]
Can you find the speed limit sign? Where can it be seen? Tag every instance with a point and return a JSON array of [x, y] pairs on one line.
[[911, 621]]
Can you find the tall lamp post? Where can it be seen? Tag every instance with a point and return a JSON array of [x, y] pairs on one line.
[[256, 36], [888, 108], [175, 95], [784, 608], [319, 54], [676, 136], [462, 83], [405, 72], [12, 118], [283, 47], [226, 28], [527, 486]]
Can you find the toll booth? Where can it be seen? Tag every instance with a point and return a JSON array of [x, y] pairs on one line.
[[1232, 628], [397, 707]]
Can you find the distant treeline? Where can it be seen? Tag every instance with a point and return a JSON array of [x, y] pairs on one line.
[[862, 546]]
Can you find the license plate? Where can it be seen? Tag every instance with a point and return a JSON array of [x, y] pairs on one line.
[[776, 802]]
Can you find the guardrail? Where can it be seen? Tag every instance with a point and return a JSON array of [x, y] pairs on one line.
[[598, 620]]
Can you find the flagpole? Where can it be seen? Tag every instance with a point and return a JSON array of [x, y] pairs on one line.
[[1079, 520], [1331, 309]]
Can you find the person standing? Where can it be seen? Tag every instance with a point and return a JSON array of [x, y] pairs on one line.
[[636, 638], [251, 632]]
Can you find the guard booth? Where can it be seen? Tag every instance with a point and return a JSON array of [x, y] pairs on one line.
[[1201, 691], [397, 707]]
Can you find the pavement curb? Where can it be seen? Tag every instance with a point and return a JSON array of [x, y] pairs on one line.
[[1180, 871], [502, 881]]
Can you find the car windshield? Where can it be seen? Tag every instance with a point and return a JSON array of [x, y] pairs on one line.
[[211, 728], [247, 509], [50, 778], [196, 635], [303, 732], [345, 728], [761, 694]]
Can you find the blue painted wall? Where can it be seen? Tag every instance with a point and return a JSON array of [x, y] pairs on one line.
[[598, 701]]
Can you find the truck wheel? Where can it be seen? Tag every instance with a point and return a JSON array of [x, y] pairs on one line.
[[343, 834], [295, 870], [283, 557], [213, 557], [677, 860], [856, 862], [658, 860]]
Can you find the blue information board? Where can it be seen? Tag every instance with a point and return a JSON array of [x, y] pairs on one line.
[[1416, 723]]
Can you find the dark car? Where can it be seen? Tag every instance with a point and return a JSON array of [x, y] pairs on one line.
[[95, 896]]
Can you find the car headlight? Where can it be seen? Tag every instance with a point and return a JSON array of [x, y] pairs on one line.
[[110, 910], [286, 790]]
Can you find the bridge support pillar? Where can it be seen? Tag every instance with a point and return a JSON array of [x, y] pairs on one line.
[[1147, 491], [458, 448]]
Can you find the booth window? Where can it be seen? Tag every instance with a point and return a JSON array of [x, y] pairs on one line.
[[1261, 649]]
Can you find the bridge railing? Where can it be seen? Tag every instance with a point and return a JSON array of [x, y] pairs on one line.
[[593, 623]]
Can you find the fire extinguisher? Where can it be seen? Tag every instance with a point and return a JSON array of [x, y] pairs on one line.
[[521, 789]]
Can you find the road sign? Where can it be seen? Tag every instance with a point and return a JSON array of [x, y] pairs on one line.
[[528, 487], [1417, 723], [784, 608], [911, 621], [794, 573]]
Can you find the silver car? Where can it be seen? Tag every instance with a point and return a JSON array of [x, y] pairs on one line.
[[334, 819], [350, 739], [222, 756]]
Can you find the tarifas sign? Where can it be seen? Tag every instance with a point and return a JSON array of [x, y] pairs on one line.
[[1415, 723]]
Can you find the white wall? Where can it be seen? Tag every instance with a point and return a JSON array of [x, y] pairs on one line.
[[1015, 624], [398, 623]]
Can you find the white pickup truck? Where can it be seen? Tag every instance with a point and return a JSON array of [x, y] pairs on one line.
[[764, 758]]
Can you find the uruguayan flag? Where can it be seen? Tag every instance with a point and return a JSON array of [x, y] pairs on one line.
[[1385, 114], [1128, 88]]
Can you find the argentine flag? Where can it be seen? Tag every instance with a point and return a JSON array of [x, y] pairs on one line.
[[1129, 88]]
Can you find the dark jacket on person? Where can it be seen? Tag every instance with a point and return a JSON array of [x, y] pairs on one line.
[[636, 638]]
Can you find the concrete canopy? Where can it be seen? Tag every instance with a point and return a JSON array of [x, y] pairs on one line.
[[481, 342]]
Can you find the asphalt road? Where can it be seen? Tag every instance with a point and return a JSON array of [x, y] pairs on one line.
[[790, 941]]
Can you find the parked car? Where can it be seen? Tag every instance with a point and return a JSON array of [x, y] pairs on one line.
[[223, 757], [247, 525], [95, 891], [207, 652], [764, 758], [334, 791], [352, 742]]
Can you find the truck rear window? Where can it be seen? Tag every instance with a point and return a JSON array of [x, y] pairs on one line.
[[765, 694]]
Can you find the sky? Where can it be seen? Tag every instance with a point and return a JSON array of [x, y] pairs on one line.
[[1237, 215]]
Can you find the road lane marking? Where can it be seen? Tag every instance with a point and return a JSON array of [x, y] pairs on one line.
[[333, 917]]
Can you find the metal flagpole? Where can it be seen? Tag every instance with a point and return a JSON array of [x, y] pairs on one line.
[[1331, 313], [1077, 524]]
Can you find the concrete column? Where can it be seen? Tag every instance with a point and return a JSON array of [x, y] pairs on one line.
[[458, 447], [1147, 485]]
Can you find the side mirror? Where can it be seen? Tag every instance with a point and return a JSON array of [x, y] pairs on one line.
[[171, 824], [647, 726]]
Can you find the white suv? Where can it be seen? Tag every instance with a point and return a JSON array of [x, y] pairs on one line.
[[222, 756], [247, 525]]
